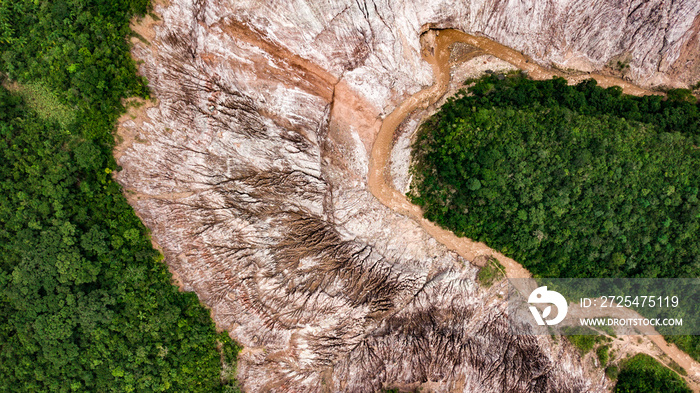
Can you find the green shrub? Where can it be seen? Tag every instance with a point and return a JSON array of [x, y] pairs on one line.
[[583, 338], [688, 344], [603, 353], [490, 273], [643, 374]]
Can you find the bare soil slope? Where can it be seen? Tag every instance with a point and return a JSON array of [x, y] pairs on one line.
[[252, 173]]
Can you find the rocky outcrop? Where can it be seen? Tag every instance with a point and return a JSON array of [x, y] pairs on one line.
[[251, 173]]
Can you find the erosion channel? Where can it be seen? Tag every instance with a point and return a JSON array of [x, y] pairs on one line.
[[251, 171], [436, 51]]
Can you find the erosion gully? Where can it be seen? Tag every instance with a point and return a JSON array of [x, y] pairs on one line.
[[437, 53]]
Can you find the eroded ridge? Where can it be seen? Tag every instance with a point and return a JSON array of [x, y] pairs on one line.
[[251, 172]]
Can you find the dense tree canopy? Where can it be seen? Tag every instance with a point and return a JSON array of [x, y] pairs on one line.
[[86, 302], [572, 181], [79, 50], [643, 374]]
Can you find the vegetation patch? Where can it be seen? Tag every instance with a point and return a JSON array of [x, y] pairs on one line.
[[572, 181], [86, 302], [642, 373], [491, 272], [229, 359], [603, 354], [677, 368], [612, 372], [584, 338], [688, 344], [44, 102]]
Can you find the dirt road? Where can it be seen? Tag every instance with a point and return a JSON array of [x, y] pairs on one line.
[[436, 52]]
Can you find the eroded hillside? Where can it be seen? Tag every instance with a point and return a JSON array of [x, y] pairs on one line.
[[252, 173]]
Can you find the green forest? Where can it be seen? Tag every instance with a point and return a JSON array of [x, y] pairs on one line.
[[571, 181], [87, 304], [643, 374]]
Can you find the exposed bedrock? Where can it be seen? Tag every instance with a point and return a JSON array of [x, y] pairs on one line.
[[251, 172]]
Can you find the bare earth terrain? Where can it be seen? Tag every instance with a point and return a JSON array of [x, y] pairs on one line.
[[381, 184], [261, 172]]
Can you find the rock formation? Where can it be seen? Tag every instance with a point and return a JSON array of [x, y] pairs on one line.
[[251, 172]]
